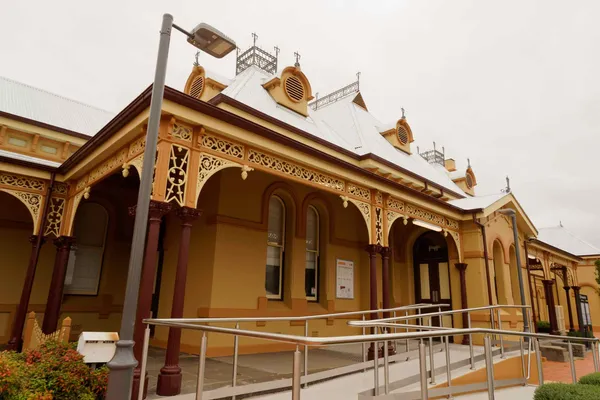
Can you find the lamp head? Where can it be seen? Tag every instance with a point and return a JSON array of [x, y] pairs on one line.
[[211, 41], [507, 211]]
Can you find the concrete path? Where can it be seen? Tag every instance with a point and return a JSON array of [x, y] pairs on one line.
[[253, 368], [347, 387], [516, 393]]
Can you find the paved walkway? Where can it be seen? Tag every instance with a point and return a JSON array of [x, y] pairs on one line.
[[252, 368], [516, 393], [341, 387], [561, 372]]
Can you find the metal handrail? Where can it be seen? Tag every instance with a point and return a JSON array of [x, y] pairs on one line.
[[305, 317], [498, 307], [386, 337], [442, 313], [337, 340]]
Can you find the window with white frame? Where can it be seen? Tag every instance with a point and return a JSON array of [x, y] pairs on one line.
[[85, 258], [311, 272], [275, 248]]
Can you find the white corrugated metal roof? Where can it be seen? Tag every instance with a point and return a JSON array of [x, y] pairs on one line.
[[477, 202], [343, 123], [560, 237], [39, 105], [23, 157]]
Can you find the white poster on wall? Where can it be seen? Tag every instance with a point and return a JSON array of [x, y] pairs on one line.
[[344, 279]]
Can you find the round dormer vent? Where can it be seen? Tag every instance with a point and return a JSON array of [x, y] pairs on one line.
[[197, 86], [402, 135], [294, 88]]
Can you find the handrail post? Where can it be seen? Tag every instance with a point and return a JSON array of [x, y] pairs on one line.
[[522, 349], [236, 340], [376, 368], [423, 371], [538, 360], [386, 368], [407, 344], [489, 365], [431, 361], [306, 355], [502, 355], [448, 370], [471, 354], [364, 344], [421, 323], [595, 355], [296, 374], [144, 363], [572, 362], [201, 367], [492, 323]]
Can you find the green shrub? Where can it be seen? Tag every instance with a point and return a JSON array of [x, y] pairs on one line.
[[55, 371], [590, 379], [564, 391], [586, 334], [544, 327]]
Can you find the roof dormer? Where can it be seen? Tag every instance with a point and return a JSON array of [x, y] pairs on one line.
[[202, 87], [292, 89], [400, 135], [466, 181]]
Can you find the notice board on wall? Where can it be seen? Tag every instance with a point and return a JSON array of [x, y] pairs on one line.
[[344, 283]]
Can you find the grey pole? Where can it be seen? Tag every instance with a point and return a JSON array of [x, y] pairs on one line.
[[520, 273], [513, 216], [122, 364]]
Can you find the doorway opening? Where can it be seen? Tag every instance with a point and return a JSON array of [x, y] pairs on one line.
[[432, 273]]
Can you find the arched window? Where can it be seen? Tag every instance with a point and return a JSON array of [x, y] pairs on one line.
[[275, 248], [501, 276], [311, 272], [85, 259]]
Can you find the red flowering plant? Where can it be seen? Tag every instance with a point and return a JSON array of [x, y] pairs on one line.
[[55, 371]]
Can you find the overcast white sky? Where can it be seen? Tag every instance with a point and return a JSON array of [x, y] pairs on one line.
[[513, 85]]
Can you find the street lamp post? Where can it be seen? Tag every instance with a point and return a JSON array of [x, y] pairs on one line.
[[513, 215], [213, 42]]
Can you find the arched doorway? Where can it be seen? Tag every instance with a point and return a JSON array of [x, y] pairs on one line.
[[432, 273]]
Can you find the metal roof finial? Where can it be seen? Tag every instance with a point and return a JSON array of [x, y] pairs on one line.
[[196, 63], [358, 79], [254, 37], [297, 55], [507, 188], [276, 48], [560, 223], [468, 163], [403, 113]]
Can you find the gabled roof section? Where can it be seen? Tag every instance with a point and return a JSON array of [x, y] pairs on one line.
[[486, 205], [39, 105], [561, 238], [344, 124], [477, 202], [28, 159]]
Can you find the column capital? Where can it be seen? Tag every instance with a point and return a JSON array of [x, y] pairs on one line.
[[462, 267], [64, 242], [188, 215], [385, 251], [373, 249], [33, 239], [576, 288], [567, 288], [156, 210], [548, 282]]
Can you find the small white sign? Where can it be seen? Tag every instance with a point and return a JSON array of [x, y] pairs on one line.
[[344, 279], [97, 347]]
